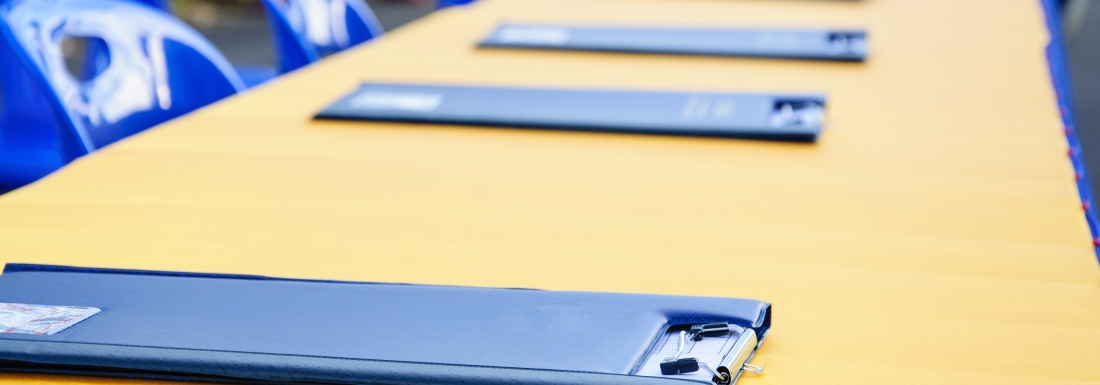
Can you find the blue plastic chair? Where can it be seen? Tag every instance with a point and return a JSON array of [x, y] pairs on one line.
[[440, 4], [95, 53], [251, 74], [166, 5], [306, 30], [157, 68]]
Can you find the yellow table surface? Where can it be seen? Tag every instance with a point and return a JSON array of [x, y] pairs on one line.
[[932, 235]]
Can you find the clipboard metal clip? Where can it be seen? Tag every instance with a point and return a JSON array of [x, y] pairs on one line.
[[848, 42], [733, 363], [712, 330], [795, 112], [676, 365]]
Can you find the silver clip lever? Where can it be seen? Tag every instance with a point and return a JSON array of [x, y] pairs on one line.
[[676, 365], [711, 330]]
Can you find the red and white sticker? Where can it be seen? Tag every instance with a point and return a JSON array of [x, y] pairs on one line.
[[40, 319]]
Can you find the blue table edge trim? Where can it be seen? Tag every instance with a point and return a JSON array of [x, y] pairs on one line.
[[1058, 61]]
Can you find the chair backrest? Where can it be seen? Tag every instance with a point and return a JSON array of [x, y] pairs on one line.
[[440, 4], [156, 69], [306, 30], [166, 5], [96, 56]]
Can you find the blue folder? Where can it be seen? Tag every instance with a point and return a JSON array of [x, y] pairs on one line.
[[715, 114], [817, 44], [254, 329]]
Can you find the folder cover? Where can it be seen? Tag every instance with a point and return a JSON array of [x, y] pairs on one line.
[[817, 44], [254, 329], [714, 114]]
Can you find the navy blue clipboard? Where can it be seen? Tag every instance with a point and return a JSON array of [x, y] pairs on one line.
[[710, 114], [811, 44], [254, 329]]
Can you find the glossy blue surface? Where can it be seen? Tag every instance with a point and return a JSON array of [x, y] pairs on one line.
[[162, 4], [811, 44], [514, 328], [96, 55], [155, 68], [713, 114], [447, 3], [253, 74], [306, 30]]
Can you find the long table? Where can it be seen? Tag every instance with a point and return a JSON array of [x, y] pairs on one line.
[[933, 235]]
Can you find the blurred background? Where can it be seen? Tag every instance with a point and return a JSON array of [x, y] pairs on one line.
[[239, 29], [1081, 21]]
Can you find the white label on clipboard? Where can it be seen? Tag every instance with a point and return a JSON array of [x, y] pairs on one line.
[[533, 35], [408, 101], [21, 318]]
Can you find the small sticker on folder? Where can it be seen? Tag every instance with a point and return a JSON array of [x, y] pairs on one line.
[[409, 101], [21, 318], [533, 35]]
